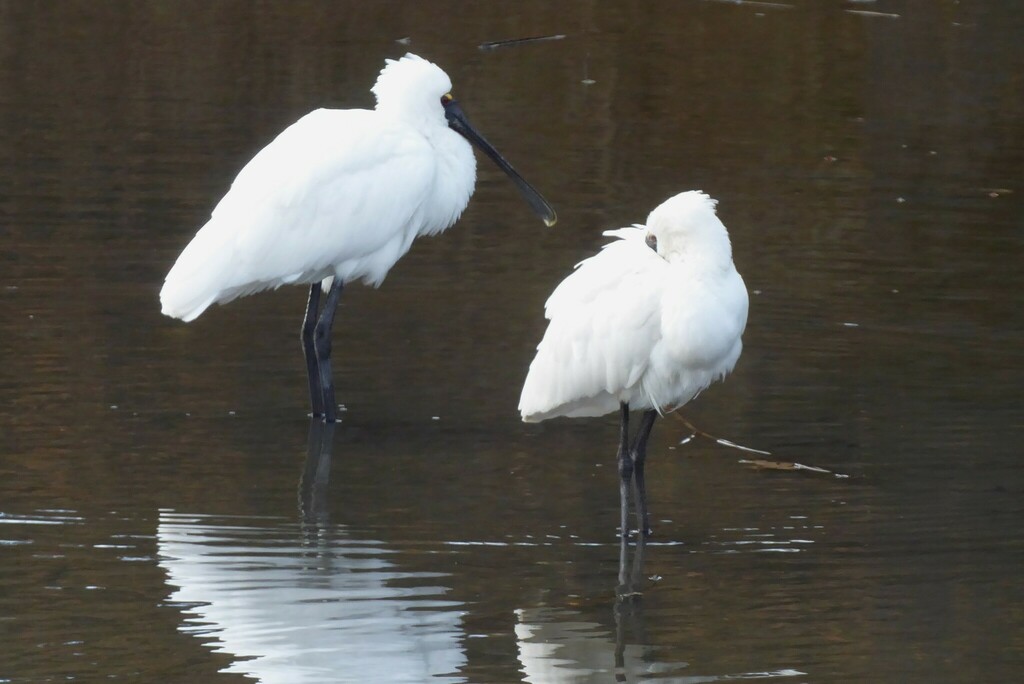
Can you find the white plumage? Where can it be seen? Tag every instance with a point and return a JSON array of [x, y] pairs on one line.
[[636, 327], [338, 193], [639, 326], [339, 196]]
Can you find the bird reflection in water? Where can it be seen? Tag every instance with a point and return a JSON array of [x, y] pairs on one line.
[[311, 601]]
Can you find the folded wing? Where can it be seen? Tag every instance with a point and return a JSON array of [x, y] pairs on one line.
[[604, 322], [278, 224]]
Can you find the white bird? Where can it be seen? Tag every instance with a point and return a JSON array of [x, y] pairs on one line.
[[645, 324], [339, 196]]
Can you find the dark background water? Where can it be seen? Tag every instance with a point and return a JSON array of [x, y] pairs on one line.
[[162, 521]]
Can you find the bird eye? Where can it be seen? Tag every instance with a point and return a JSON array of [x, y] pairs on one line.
[[652, 241], [446, 98]]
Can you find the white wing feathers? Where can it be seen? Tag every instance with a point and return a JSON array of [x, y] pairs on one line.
[[605, 320], [277, 217]]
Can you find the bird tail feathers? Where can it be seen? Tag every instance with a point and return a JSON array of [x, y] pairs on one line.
[[192, 284]]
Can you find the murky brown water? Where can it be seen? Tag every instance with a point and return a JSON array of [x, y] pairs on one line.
[[162, 521]]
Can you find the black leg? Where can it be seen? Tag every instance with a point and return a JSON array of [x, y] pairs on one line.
[[638, 454], [623, 587], [322, 342], [316, 392], [630, 574], [625, 470], [316, 472]]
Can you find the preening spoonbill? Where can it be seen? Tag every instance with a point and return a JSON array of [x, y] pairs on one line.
[[645, 324], [339, 196]]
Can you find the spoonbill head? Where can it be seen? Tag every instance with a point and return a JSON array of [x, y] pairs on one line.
[[338, 196], [647, 324]]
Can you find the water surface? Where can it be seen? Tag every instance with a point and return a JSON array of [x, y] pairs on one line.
[[168, 514]]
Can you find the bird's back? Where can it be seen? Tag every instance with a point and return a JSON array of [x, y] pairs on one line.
[[338, 193]]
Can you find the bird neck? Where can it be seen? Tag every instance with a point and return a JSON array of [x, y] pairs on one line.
[[454, 180]]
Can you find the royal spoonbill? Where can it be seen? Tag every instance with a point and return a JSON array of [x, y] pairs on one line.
[[339, 196], [645, 324]]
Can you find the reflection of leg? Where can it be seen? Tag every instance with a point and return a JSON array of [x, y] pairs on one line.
[[625, 470], [628, 607], [322, 340], [322, 475], [623, 598], [316, 475], [638, 454], [316, 392], [619, 610]]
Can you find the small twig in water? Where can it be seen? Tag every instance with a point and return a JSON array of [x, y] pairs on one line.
[[494, 45], [724, 442], [787, 465], [869, 13], [757, 462]]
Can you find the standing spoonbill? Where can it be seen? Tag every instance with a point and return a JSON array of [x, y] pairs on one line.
[[647, 323], [338, 196]]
